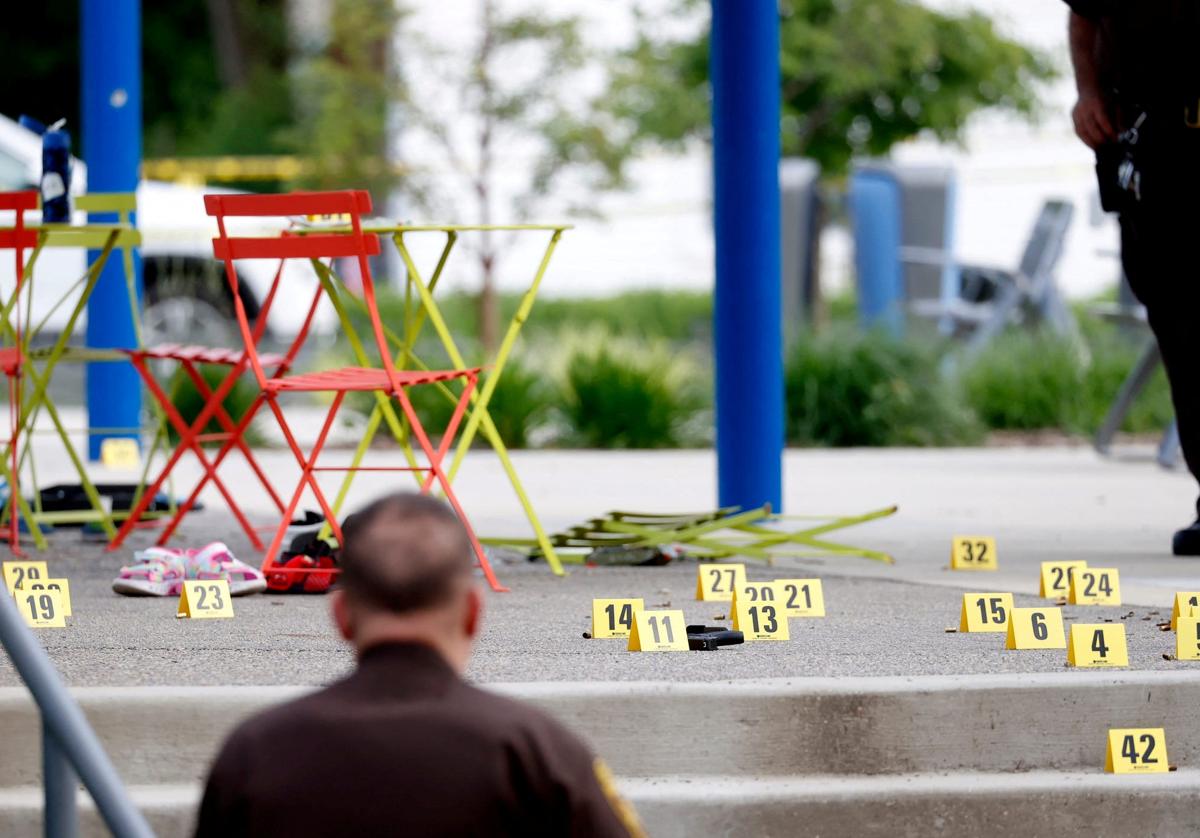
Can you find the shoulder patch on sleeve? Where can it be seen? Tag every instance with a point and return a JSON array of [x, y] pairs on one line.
[[622, 807]]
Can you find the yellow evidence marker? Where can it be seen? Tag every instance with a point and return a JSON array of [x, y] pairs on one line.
[[973, 552], [120, 453], [205, 599], [754, 592], [1184, 602], [985, 612], [16, 573], [718, 581], [658, 631], [801, 597], [612, 618], [1136, 750], [1056, 578], [1187, 638], [41, 609], [62, 586], [761, 620], [1096, 586], [1097, 644], [1035, 628]]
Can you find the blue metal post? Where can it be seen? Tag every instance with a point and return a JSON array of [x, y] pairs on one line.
[[68, 729], [744, 69], [112, 142]]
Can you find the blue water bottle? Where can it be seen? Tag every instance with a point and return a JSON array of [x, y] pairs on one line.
[[56, 169], [56, 174]]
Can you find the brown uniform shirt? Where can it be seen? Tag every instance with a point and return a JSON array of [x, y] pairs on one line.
[[403, 746]]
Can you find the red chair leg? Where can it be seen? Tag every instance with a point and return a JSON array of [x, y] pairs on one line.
[[482, 558], [189, 435], [436, 473], [190, 439], [143, 504], [307, 478], [236, 438], [273, 549], [236, 430], [451, 430]]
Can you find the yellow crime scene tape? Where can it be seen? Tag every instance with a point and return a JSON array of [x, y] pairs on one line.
[[267, 167]]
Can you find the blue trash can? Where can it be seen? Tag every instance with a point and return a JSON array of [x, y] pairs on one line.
[[875, 211]]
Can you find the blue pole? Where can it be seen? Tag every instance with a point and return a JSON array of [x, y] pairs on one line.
[[112, 143], [744, 69]]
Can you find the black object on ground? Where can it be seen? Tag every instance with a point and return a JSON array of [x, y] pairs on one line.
[[710, 638], [70, 497]]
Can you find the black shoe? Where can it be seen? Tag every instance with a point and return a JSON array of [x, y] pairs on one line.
[[1187, 542]]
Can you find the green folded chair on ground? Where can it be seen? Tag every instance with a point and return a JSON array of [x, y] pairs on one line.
[[718, 534]]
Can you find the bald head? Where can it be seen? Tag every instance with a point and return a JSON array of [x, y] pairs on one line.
[[406, 576], [404, 553]]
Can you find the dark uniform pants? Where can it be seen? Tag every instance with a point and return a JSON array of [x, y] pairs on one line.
[[1160, 249]]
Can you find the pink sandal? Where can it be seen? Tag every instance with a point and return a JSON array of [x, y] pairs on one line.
[[214, 561], [160, 571], [155, 572]]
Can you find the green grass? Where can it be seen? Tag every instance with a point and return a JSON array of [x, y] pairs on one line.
[[845, 388], [1038, 381], [632, 396]]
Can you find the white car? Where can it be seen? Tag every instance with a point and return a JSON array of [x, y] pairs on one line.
[[186, 296]]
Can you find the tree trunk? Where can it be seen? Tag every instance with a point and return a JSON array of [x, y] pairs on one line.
[[489, 304], [227, 43]]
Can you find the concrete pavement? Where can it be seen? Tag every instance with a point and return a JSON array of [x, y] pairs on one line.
[[873, 627], [1040, 503]]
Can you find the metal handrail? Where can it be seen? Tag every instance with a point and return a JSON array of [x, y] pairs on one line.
[[69, 745]]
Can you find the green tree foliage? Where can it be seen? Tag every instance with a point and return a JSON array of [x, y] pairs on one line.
[[857, 77], [515, 97], [245, 43], [343, 92], [214, 72]]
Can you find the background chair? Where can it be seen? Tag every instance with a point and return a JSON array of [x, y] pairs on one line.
[[193, 435], [86, 505], [1129, 313], [18, 238], [980, 301]]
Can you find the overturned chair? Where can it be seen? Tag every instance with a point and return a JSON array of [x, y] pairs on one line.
[[643, 537]]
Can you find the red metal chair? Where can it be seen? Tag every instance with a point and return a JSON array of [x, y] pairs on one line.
[[360, 246], [192, 436], [18, 238]]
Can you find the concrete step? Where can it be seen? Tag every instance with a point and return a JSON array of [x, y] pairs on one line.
[[169, 809], [860, 726], [962, 805]]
